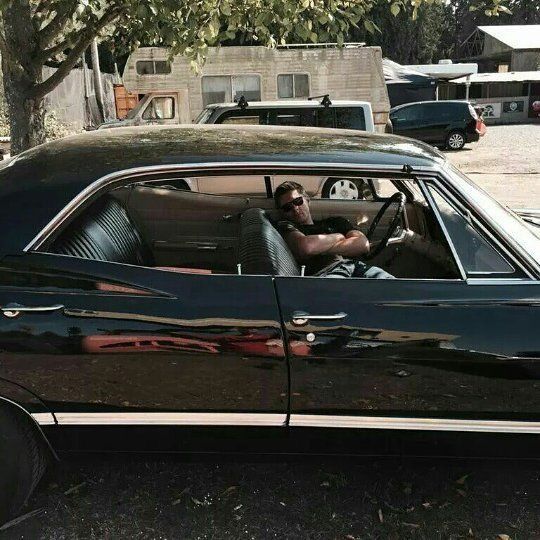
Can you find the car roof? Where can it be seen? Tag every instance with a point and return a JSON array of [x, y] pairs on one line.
[[440, 101], [288, 104], [38, 183]]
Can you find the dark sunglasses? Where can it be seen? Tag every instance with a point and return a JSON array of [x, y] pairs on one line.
[[287, 207]]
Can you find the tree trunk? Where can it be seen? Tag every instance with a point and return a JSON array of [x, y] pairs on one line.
[[27, 116], [21, 74]]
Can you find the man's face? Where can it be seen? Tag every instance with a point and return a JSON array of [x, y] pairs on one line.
[[295, 207]]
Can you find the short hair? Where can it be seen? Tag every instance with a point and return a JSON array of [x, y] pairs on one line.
[[285, 187]]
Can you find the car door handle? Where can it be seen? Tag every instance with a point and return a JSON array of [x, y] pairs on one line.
[[14, 310], [299, 318]]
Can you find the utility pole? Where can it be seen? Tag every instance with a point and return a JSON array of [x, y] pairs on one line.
[[98, 86]]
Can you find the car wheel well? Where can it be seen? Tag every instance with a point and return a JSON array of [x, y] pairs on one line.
[[24, 452]]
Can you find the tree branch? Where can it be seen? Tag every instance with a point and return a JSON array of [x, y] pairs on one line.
[[51, 52], [49, 32], [42, 89]]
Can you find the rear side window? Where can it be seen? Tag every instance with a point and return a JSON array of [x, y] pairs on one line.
[[293, 117], [414, 112], [350, 118]]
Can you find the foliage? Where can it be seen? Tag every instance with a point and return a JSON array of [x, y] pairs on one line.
[[54, 128]]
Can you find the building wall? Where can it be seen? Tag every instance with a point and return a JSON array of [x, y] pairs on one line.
[[347, 73], [525, 60]]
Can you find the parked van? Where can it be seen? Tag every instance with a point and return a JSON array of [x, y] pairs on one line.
[[449, 124], [172, 92]]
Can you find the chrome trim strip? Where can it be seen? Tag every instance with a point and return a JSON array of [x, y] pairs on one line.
[[44, 419], [130, 174], [502, 281], [413, 424], [169, 419]]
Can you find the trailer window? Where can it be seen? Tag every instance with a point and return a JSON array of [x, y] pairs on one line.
[[227, 88], [153, 67], [293, 85]]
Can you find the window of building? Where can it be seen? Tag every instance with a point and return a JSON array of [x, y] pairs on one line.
[[227, 88], [153, 67], [293, 85], [507, 89]]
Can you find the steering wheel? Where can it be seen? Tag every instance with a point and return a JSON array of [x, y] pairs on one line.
[[398, 198]]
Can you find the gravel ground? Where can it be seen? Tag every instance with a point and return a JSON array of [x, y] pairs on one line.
[[506, 163], [315, 499]]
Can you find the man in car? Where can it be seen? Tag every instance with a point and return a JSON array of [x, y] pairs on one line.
[[328, 247]]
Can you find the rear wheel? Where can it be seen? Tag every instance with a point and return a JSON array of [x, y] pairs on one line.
[[455, 140], [22, 461]]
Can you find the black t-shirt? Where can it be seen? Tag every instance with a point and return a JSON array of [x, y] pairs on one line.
[[323, 226]]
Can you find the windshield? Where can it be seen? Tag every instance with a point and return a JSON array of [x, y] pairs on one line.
[[505, 220], [204, 116]]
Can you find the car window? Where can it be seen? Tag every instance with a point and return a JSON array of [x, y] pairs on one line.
[[229, 118], [325, 117], [292, 117], [160, 108], [412, 113], [476, 254], [350, 118]]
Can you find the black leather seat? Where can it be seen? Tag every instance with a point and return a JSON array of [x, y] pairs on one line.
[[105, 233], [262, 249]]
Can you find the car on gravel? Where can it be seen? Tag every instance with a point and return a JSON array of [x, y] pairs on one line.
[[136, 316], [449, 124]]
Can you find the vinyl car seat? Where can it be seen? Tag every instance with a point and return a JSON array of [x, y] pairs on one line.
[[104, 233], [262, 249]]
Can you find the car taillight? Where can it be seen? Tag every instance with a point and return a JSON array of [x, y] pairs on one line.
[[473, 112]]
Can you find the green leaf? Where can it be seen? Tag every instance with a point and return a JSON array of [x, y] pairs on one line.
[[395, 9], [368, 25]]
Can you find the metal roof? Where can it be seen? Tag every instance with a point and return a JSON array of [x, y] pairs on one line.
[[511, 76], [516, 36]]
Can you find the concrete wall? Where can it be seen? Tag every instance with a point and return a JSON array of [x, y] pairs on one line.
[[502, 108], [347, 73]]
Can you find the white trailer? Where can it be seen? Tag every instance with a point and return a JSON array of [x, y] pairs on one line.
[[170, 86]]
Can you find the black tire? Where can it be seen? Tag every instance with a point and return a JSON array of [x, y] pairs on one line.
[[455, 140], [23, 461]]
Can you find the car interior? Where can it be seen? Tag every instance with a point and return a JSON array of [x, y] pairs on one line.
[[169, 225]]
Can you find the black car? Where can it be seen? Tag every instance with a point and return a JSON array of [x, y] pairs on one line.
[[139, 316], [449, 124]]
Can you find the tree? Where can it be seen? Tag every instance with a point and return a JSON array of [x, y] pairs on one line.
[[35, 32]]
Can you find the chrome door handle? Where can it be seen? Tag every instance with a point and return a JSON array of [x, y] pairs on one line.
[[299, 318], [13, 309]]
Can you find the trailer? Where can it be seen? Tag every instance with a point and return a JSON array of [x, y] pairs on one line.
[[170, 91]]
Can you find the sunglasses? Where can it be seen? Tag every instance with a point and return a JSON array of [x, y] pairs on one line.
[[287, 207]]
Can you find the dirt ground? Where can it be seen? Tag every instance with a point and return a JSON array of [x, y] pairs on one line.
[[115, 498], [506, 163]]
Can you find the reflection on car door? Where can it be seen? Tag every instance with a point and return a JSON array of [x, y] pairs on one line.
[[94, 339], [364, 348]]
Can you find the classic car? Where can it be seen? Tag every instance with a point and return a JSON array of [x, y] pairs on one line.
[[138, 316]]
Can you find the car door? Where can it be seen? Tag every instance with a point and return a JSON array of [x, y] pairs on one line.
[[377, 353], [103, 342], [418, 353], [408, 122]]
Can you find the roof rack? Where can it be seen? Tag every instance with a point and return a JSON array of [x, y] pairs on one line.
[[325, 101], [242, 102], [350, 45]]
